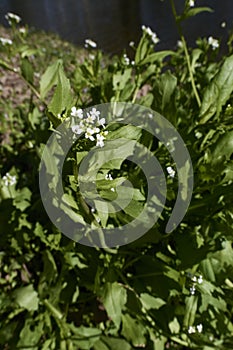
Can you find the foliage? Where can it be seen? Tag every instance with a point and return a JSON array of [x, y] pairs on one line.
[[162, 291]]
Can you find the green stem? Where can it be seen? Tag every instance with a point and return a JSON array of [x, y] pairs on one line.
[[186, 54], [136, 89]]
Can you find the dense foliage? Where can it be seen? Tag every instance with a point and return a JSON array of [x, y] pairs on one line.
[[171, 291]]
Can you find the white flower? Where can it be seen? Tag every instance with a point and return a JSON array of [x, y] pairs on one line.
[[200, 279], [5, 41], [131, 44], [89, 134], [113, 189], [77, 129], [155, 39], [179, 44], [191, 3], [200, 328], [108, 177], [101, 122], [12, 16], [90, 43], [96, 130], [191, 330], [198, 134], [171, 172], [223, 24], [213, 42], [95, 113], [99, 140], [192, 290], [92, 57], [90, 118], [126, 60], [149, 32], [77, 112], [22, 30], [9, 180], [194, 279]]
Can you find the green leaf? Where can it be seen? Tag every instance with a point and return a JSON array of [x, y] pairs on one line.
[[218, 92], [121, 78], [22, 199], [114, 297], [224, 148], [30, 334], [168, 85], [27, 70], [141, 49], [191, 12], [191, 309], [196, 10], [62, 99], [85, 337], [27, 298], [108, 343], [133, 331], [174, 326], [149, 302], [49, 78], [157, 56], [194, 58], [127, 132], [218, 303]]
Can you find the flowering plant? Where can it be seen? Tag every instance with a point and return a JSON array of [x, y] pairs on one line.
[[166, 290]]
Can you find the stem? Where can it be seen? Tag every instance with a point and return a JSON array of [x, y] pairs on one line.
[[186, 54], [136, 89]]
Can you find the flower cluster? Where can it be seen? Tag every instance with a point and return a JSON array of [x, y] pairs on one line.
[[12, 18], [171, 172], [126, 61], [151, 34], [90, 124], [193, 329], [5, 41], [213, 42], [108, 177], [90, 44], [9, 180], [195, 280]]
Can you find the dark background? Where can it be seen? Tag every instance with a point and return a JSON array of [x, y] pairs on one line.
[[114, 23]]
